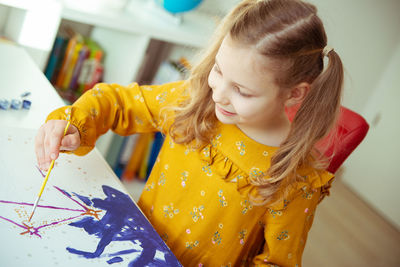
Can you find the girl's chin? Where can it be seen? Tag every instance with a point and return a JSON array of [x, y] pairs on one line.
[[225, 119]]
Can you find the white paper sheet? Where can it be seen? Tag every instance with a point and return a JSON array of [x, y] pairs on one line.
[[79, 214]]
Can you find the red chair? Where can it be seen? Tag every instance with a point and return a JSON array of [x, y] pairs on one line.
[[350, 130]]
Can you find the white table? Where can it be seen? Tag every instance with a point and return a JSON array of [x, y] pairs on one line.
[[19, 74], [79, 220]]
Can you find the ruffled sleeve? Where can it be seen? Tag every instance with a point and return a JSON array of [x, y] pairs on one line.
[[287, 224], [123, 109]]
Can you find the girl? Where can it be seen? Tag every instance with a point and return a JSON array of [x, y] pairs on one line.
[[235, 182]]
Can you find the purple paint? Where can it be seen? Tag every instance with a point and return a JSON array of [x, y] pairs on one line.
[[123, 221], [40, 206], [84, 199], [40, 171], [24, 226], [70, 197], [11, 221], [35, 230], [114, 260]]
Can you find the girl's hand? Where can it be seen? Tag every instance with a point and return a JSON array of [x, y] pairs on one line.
[[50, 140]]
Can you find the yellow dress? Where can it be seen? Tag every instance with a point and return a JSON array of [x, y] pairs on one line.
[[197, 199]]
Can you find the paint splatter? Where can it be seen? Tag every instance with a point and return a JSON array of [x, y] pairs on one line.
[[29, 229], [123, 221], [112, 219]]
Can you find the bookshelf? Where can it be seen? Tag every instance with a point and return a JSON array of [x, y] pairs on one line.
[[127, 36], [130, 36]]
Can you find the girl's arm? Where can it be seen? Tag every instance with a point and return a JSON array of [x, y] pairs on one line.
[[123, 109], [286, 230]]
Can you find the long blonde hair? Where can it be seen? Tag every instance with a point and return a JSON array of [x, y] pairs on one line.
[[290, 33]]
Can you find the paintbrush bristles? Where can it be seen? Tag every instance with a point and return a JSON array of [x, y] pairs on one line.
[[41, 189], [34, 208]]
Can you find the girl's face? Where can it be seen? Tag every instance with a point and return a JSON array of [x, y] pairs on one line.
[[244, 90]]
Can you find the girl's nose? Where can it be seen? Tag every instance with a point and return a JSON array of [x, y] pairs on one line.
[[220, 94]]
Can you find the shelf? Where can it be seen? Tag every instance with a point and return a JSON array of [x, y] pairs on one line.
[[21, 4], [195, 29]]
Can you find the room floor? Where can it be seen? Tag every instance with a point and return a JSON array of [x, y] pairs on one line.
[[346, 232]]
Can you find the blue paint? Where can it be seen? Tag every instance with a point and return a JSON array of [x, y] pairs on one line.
[[114, 260], [84, 199], [26, 104], [65, 192], [16, 104], [123, 221], [5, 104]]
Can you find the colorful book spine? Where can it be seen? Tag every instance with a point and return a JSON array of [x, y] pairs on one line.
[[66, 61], [92, 69], [144, 164], [97, 75], [83, 55], [125, 153], [71, 66], [59, 61], [138, 156], [96, 70], [56, 56]]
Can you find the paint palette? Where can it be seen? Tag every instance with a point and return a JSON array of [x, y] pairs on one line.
[[84, 218]]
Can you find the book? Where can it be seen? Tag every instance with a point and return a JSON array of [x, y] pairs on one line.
[[137, 157], [142, 173], [125, 153], [97, 75], [83, 55], [92, 68], [56, 56], [71, 65], [66, 61], [59, 62]]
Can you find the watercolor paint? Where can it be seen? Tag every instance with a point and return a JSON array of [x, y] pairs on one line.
[[121, 221], [84, 218]]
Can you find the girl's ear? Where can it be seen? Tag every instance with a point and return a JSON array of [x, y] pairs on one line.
[[297, 94]]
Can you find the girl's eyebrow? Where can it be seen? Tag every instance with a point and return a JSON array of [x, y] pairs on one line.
[[235, 83]]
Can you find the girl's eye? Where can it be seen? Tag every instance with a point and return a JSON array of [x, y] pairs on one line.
[[241, 93], [217, 69], [244, 95]]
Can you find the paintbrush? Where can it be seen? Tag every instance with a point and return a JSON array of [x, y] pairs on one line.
[[45, 180]]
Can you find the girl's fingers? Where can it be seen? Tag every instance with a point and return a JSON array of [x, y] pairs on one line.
[[39, 147], [70, 142], [46, 148], [55, 137], [50, 139]]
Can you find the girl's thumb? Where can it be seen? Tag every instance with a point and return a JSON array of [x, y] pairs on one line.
[[70, 142]]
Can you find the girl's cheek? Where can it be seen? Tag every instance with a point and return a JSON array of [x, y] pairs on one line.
[[244, 107], [211, 80], [240, 106]]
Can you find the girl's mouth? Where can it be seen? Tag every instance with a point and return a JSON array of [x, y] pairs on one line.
[[224, 112]]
